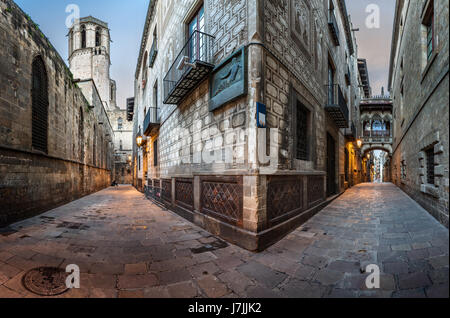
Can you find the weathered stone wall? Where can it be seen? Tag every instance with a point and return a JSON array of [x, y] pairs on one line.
[[248, 202], [78, 161], [227, 21], [300, 66], [421, 118]]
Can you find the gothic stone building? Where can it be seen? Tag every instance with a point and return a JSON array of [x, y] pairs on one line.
[[243, 111], [90, 61], [55, 139], [419, 85]]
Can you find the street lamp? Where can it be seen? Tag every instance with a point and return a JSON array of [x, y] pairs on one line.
[[139, 140], [359, 143], [368, 156]]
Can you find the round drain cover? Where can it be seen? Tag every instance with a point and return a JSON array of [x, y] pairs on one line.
[[46, 281]]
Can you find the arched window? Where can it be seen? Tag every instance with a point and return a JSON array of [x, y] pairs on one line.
[[120, 123], [98, 37], [39, 99], [377, 125], [83, 36], [71, 42]]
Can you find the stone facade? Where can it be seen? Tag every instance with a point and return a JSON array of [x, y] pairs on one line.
[[182, 161], [75, 154], [90, 59], [419, 83]]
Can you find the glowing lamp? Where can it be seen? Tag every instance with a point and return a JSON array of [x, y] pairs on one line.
[[359, 143], [139, 141]]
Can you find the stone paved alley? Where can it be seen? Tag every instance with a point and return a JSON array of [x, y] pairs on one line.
[[128, 247]]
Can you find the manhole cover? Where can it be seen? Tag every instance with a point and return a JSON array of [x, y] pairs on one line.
[[45, 281]]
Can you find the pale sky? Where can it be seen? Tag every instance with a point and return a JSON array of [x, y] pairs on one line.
[[374, 44], [126, 20]]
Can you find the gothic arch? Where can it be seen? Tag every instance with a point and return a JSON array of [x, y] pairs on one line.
[[98, 36], [83, 36]]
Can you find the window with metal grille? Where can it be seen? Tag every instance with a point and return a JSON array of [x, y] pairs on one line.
[[94, 147], [39, 97], [155, 153], [430, 165], [302, 132]]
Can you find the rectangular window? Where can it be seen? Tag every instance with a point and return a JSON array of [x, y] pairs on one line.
[[155, 153], [302, 132], [428, 22], [430, 165], [155, 95], [196, 30]]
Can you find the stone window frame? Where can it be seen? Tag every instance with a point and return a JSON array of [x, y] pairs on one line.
[[296, 97], [403, 172], [83, 36], [428, 16], [98, 36], [191, 13], [431, 142]]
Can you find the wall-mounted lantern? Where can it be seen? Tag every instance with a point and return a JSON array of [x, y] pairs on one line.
[[139, 140], [359, 143]]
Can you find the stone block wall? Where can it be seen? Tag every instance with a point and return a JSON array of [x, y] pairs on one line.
[[421, 116], [78, 161]]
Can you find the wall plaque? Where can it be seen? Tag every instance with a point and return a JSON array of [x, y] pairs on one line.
[[229, 80], [301, 25]]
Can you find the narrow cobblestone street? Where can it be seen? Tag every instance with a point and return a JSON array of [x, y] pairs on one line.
[[128, 247]]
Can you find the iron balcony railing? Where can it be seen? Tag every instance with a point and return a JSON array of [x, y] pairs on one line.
[[192, 65], [336, 106], [153, 53], [130, 109], [333, 26], [152, 120]]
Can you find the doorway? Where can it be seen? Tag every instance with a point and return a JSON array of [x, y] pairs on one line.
[[331, 165]]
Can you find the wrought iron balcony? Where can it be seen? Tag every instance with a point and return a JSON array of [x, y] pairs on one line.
[[350, 133], [190, 68], [336, 106], [130, 108], [153, 53], [152, 120], [333, 26]]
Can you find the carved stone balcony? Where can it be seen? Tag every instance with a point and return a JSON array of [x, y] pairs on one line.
[[152, 121], [333, 26], [336, 106], [190, 68]]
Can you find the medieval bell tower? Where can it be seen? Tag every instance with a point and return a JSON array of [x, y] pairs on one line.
[[89, 57]]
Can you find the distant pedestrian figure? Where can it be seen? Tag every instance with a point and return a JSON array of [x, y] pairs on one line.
[[114, 184]]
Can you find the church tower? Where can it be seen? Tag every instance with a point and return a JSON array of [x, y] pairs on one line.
[[89, 57]]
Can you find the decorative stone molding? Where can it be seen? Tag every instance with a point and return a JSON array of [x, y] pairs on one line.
[[431, 141]]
